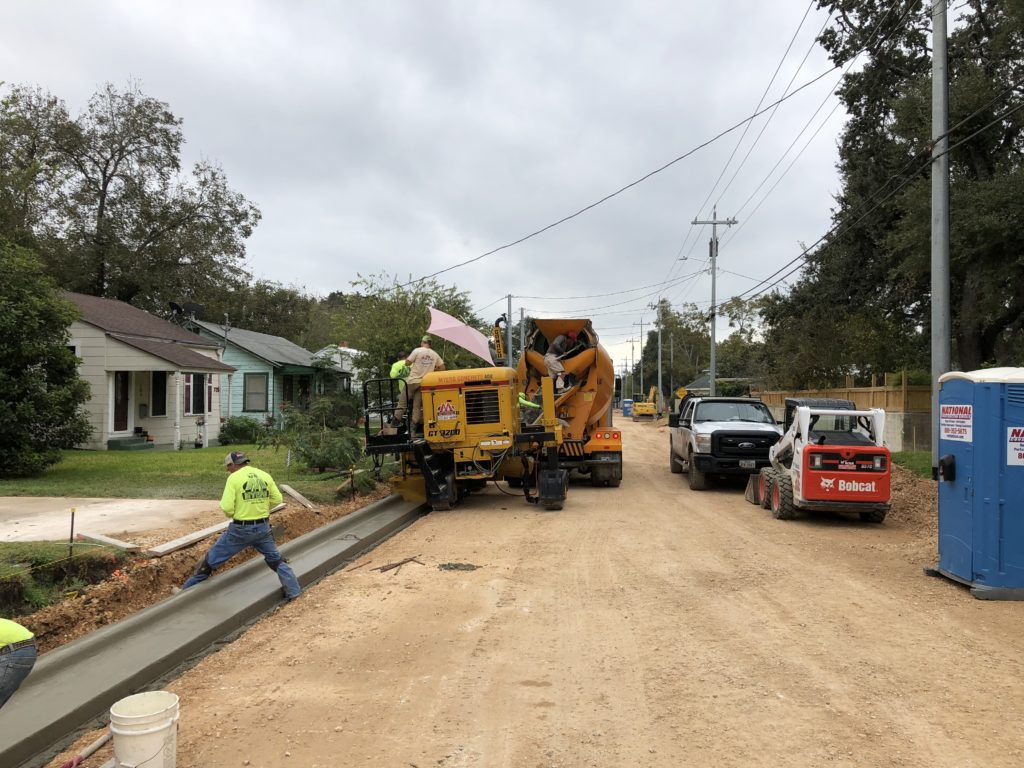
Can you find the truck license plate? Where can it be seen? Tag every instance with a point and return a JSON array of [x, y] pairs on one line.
[[747, 464]]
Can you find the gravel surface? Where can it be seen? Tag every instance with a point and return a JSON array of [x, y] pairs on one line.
[[645, 625]]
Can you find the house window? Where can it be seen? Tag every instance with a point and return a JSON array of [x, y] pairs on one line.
[[158, 393], [198, 394], [255, 392]]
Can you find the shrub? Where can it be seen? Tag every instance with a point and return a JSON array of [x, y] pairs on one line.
[[315, 438], [241, 430]]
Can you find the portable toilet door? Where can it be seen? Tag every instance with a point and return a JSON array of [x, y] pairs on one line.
[[956, 471], [981, 481]]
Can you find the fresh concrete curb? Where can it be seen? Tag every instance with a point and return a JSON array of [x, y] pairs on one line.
[[81, 680]]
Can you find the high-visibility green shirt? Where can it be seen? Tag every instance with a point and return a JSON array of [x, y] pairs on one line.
[[12, 632], [399, 370], [249, 494]]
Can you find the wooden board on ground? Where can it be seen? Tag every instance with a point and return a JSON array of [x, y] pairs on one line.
[[298, 497], [183, 541], [99, 538]]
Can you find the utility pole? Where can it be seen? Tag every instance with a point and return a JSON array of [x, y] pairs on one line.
[[714, 222], [632, 368], [508, 334], [642, 339], [661, 395], [671, 366], [522, 332], [940, 218]]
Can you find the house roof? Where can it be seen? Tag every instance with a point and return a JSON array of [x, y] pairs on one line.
[[148, 333], [175, 352], [274, 349]]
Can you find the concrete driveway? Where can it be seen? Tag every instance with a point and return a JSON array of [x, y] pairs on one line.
[[44, 518]]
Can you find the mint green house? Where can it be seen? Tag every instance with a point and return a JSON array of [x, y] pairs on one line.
[[269, 371]]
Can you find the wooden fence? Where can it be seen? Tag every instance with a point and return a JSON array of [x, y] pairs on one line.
[[897, 399]]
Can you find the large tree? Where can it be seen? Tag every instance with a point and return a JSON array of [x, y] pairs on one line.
[[104, 195], [41, 395], [862, 305]]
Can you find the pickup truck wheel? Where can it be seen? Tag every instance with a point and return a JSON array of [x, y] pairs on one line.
[[672, 463], [764, 487], [875, 516], [782, 497], [698, 480]]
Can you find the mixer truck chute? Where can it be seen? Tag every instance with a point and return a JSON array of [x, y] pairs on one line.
[[590, 444]]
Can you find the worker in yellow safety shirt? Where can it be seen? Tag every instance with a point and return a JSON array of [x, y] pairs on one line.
[[400, 371], [18, 653], [248, 496]]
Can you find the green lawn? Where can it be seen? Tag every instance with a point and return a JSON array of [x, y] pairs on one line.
[[918, 462], [189, 474]]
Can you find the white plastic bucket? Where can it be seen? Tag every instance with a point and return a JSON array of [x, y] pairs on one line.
[[145, 728]]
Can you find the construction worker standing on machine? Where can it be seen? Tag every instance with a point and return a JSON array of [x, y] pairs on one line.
[[552, 358], [421, 361]]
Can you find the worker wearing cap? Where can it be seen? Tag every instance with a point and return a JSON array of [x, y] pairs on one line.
[[552, 358], [248, 496], [421, 361], [18, 653]]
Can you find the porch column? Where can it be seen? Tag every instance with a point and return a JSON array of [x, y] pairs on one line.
[[229, 395], [177, 410], [207, 413]]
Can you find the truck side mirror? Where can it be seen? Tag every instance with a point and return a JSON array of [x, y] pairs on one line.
[[673, 419]]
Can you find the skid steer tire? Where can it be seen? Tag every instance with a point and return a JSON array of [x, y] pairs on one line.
[[764, 487], [514, 482], [698, 480], [672, 463], [782, 497], [875, 516]]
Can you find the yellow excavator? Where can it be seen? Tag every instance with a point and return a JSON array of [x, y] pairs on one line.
[[647, 409]]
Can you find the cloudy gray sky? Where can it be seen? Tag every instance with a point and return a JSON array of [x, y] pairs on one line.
[[409, 136]]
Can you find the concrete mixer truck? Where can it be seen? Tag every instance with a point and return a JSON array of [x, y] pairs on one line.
[[569, 349]]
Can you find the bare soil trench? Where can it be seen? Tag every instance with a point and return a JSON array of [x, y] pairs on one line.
[[645, 625]]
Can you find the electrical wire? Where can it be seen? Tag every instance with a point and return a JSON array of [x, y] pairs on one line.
[[739, 141], [834, 230], [622, 189]]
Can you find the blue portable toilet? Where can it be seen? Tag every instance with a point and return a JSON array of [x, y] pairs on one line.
[[981, 481], [627, 407]]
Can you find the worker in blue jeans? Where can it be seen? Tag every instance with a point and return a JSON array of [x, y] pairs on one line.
[[18, 655], [248, 497]]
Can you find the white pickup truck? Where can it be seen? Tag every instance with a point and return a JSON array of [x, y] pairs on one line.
[[720, 436]]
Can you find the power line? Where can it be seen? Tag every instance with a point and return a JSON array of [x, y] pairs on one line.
[[877, 202], [743, 135], [619, 191], [846, 69], [849, 65]]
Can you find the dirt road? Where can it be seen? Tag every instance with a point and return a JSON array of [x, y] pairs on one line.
[[641, 626]]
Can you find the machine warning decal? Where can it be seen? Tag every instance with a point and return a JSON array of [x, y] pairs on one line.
[[1015, 446], [447, 412], [956, 422]]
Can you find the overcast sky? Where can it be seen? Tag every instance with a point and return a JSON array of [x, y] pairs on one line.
[[408, 136]]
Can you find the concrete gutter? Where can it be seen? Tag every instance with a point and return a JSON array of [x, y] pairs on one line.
[[81, 680]]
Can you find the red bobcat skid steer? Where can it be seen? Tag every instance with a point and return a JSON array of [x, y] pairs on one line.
[[831, 458]]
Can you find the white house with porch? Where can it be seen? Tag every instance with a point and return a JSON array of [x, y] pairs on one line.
[[153, 383]]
